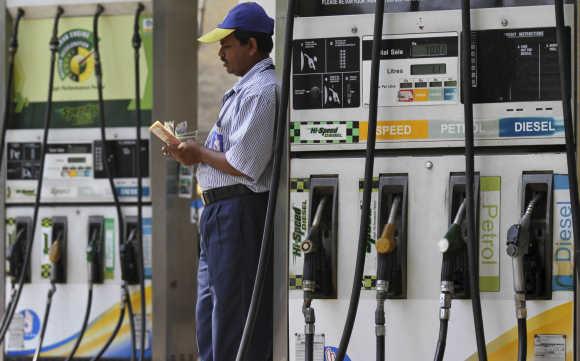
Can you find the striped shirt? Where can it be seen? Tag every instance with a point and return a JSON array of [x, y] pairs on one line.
[[245, 131]]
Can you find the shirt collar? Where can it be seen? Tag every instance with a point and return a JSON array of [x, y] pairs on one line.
[[256, 69]]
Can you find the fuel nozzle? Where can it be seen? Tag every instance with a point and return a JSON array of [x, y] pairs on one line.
[[451, 243], [453, 238], [93, 251], [15, 255], [128, 251], [386, 245], [518, 244], [311, 247], [55, 256]]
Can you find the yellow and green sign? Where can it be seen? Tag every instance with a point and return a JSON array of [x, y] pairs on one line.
[[75, 86]]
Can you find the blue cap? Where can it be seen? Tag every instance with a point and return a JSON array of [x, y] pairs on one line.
[[246, 16]]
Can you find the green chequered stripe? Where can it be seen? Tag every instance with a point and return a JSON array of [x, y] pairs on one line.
[[45, 271], [295, 282], [294, 132], [299, 184], [352, 133], [361, 184], [369, 282], [46, 222]]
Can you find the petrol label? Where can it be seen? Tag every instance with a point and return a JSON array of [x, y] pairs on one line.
[[489, 234]]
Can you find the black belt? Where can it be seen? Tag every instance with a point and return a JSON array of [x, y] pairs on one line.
[[218, 194]]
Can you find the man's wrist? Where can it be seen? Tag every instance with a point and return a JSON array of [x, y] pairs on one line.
[[203, 154]]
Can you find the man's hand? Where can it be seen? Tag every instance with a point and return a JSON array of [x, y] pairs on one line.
[[186, 153]]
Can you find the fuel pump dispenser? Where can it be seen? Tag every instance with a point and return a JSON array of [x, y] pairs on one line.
[[469, 102], [77, 188]]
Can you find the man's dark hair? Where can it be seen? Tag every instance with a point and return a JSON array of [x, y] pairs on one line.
[[263, 40]]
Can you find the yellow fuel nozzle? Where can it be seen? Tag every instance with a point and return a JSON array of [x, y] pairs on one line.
[[54, 252], [386, 242]]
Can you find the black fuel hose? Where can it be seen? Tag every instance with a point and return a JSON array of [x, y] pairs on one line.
[[281, 119], [12, 49], [522, 340], [48, 116], [565, 79], [51, 293], [131, 316], [367, 189], [442, 340], [122, 308], [472, 241], [106, 160], [136, 42], [386, 245], [84, 325]]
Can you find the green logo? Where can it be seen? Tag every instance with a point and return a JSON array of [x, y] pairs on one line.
[[75, 55]]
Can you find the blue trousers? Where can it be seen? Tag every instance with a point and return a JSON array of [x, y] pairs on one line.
[[231, 235]]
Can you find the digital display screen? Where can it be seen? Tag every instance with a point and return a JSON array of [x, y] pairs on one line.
[[425, 69], [77, 160], [428, 50], [516, 65]]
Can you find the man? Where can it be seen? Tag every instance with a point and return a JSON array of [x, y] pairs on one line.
[[234, 172]]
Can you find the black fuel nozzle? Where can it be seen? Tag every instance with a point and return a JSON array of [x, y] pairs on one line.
[[93, 256], [312, 250], [15, 255], [451, 243], [518, 245], [386, 245], [128, 254]]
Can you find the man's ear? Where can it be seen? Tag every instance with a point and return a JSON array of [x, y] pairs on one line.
[[253, 46]]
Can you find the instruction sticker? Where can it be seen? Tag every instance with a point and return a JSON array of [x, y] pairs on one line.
[[562, 278], [299, 210], [109, 248], [370, 269], [550, 347], [318, 348], [489, 236]]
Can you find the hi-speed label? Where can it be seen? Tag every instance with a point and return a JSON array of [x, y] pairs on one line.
[[299, 210]]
